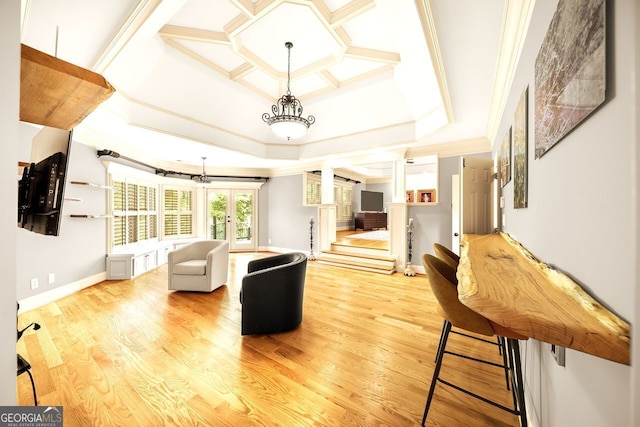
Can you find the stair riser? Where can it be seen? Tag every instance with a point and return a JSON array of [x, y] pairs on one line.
[[355, 267], [373, 263], [357, 250]]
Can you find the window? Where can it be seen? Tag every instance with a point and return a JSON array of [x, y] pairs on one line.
[[342, 195], [135, 212], [312, 189], [347, 196], [178, 212]]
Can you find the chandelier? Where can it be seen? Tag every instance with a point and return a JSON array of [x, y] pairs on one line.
[[287, 121], [202, 179]]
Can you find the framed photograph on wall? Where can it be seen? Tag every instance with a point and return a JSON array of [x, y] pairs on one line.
[[520, 152], [570, 70], [427, 196], [410, 196], [505, 159]]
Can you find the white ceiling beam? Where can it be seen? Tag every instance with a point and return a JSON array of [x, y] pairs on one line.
[[143, 10], [174, 44], [350, 11], [194, 34], [372, 55]]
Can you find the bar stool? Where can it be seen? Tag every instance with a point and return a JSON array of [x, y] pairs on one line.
[[452, 259], [442, 278], [24, 366], [446, 255]]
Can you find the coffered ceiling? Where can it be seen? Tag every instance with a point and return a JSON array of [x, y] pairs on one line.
[[385, 79]]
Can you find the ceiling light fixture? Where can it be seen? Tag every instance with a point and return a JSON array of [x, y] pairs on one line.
[[287, 121], [202, 179]]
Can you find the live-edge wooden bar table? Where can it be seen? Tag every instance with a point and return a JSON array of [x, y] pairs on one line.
[[503, 281]]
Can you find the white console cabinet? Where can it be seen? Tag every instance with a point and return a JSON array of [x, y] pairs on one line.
[[129, 264]]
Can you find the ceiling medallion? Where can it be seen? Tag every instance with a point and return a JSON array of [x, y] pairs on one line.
[[287, 121]]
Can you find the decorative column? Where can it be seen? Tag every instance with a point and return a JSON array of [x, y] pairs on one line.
[[397, 217], [326, 227], [326, 211], [399, 194]]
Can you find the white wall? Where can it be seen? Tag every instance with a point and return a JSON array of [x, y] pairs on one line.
[[9, 107], [288, 220], [635, 381], [78, 252], [581, 219]]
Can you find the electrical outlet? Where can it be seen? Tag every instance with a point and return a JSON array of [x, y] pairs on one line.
[[558, 354], [52, 278], [34, 283]]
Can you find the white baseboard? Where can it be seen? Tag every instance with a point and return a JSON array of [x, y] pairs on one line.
[[45, 298]]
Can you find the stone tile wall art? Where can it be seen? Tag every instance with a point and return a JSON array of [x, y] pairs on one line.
[[505, 159], [569, 71], [520, 152]]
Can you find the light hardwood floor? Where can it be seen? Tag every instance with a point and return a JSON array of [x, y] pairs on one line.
[[131, 353]]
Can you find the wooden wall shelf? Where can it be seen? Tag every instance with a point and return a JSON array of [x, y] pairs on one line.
[[503, 281], [90, 184]]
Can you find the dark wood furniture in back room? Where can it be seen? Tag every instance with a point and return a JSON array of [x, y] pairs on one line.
[[370, 220]]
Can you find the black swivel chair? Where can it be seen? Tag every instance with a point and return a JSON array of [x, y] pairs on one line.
[[272, 294], [23, 365]]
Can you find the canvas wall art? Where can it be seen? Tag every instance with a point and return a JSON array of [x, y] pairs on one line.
[[520, 152], [505, 159], [569, 71]]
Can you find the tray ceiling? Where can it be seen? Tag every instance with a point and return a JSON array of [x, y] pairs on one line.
[[385, 79]]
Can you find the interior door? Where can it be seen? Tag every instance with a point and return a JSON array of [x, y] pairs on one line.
[[476, 201], [231, 216], [455, 214]]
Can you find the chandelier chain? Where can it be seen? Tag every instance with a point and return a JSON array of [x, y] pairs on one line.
[[289, 45]]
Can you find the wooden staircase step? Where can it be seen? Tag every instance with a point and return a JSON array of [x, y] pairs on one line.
[[381, 257], [359, 250], [354, 264], [366, 260]]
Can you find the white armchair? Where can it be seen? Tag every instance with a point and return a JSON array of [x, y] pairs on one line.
[[199, 266]]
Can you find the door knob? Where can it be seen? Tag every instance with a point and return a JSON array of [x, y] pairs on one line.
[[456, 234]]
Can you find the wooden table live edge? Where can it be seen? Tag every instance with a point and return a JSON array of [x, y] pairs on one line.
[[500, 279]]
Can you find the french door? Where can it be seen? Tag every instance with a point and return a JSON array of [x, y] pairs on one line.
[[231, 216]]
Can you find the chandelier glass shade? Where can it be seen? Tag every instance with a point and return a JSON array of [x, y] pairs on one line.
[[287, 121]]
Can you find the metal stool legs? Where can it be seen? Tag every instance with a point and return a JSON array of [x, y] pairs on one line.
[[24, 366], [446, 329], [512, 367]]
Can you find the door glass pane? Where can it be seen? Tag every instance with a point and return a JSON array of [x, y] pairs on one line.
[[218, 216], [244, 217]]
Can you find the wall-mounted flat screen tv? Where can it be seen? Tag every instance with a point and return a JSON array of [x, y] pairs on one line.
[[371, 201], [41, 188]]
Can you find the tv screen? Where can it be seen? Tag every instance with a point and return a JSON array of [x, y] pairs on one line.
[[371, 201], [41, 188]]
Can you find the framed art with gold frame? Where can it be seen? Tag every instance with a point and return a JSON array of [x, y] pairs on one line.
[[426, 196]]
